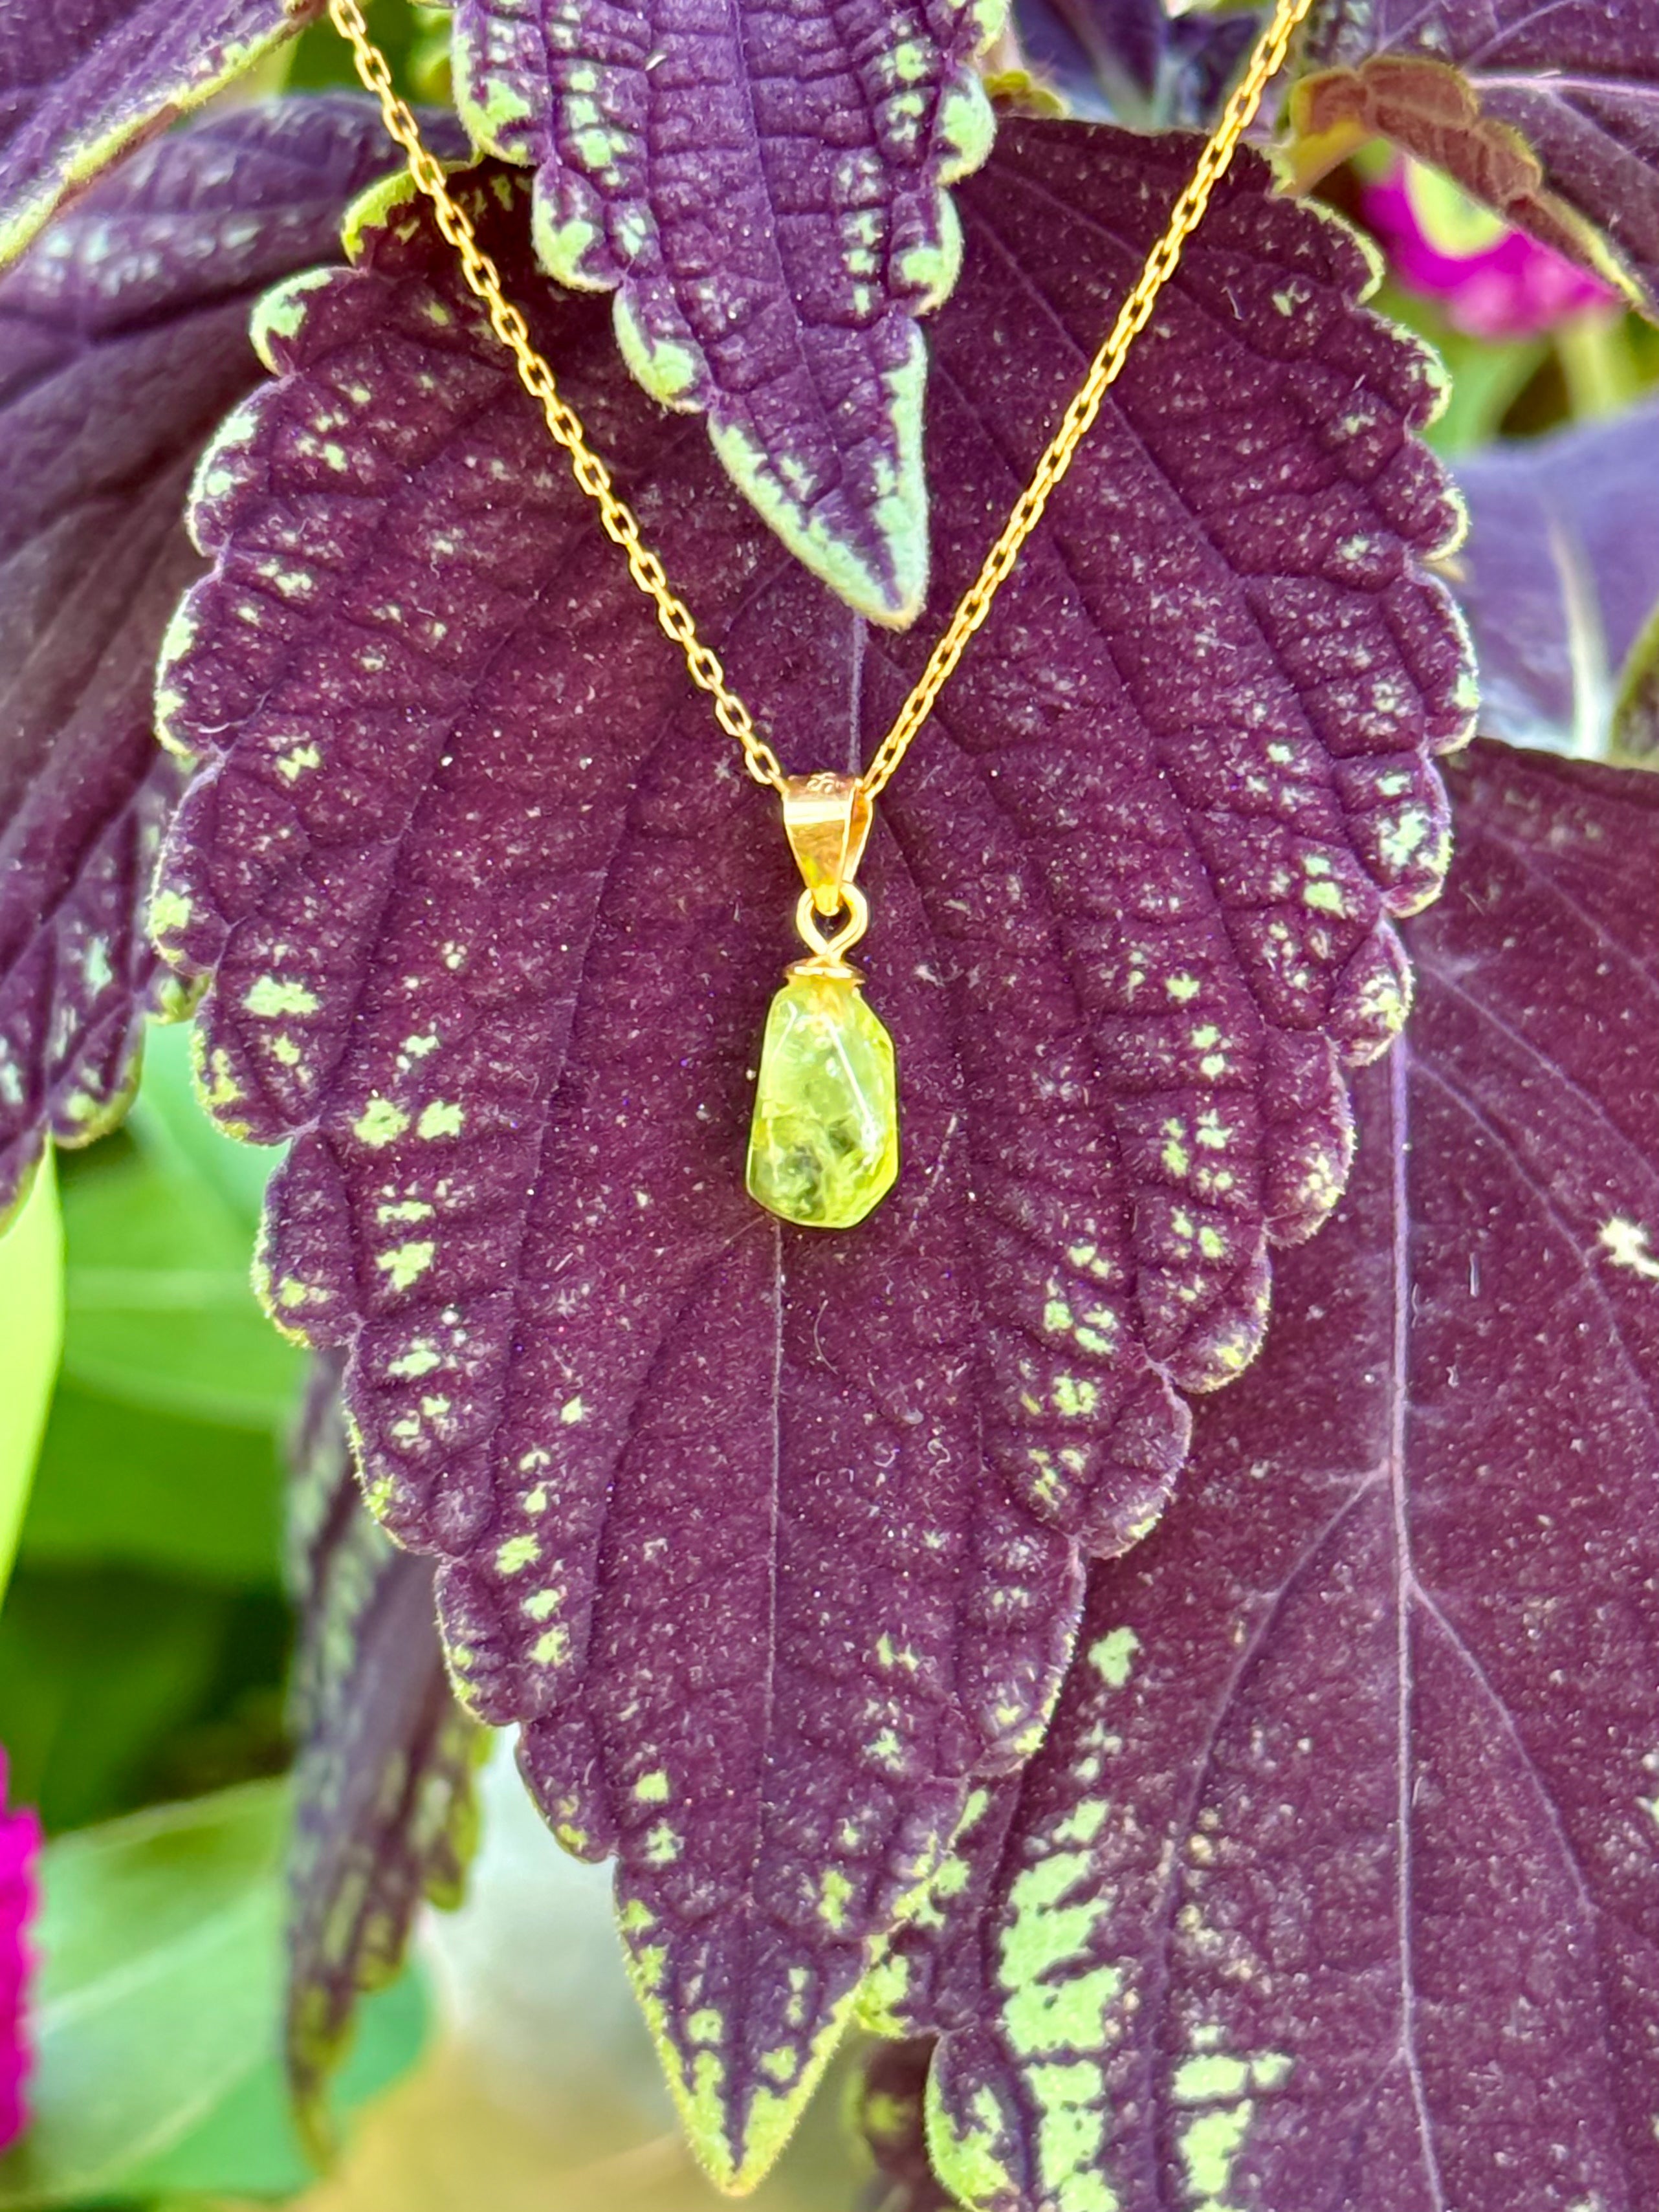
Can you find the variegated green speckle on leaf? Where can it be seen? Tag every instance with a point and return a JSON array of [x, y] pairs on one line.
[[773, 1591], [123, 338], [763, 186], [81, 85], [383, 1803], [1347, 1804]]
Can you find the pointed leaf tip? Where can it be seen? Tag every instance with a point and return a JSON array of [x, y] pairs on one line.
[[764, 190], [741, 2071], [80, 86]]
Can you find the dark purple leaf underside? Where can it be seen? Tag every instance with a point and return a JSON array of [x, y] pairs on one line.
[[82, 81], [1560, 574], [1546, 110], [1335, 1884], [888, 2115], [767, 1537], [761, 183], [123, 340], [383, 1811]]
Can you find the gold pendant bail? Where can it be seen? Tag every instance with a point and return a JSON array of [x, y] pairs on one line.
[[824, 1142], [826, 818]]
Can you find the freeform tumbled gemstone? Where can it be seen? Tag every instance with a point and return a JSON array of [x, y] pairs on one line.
[[824, 1143]]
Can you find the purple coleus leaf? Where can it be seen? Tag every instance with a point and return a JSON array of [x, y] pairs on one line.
[[1335, 1883], [123, 340], [384, 1810], [1546, 111], [769, 1538], [1559, 577], [82, 81], [762, 187]]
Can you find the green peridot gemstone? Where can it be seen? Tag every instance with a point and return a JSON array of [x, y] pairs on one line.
[[824, 1143]]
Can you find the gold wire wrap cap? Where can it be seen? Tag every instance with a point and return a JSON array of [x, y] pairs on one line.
[[825, 957], [826, 819]]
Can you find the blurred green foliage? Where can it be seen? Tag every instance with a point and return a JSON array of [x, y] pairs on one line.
[[156, 2010], [31, 1341], [143, 1641], [415, 39], [144, 1652]]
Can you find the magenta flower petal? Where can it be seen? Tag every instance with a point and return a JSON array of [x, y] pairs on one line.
[[20, 1896], [1506, 286]]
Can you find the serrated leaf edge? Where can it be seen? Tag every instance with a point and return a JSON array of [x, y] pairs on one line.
[[675, 372], [1598, 252], [772, 2114], [85, 157]]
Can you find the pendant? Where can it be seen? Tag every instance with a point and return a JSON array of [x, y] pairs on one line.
[[824, 1142]]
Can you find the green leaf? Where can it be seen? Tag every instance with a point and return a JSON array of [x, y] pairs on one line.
[[160, 1310], [117, 1483], [31, 1339], [173, 1127], [158, 1991], [248, 2143], [97, 1670], [158, 2001], [1636, 709]]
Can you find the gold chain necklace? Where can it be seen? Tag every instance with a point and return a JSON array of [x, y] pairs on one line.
[[823, 1139]]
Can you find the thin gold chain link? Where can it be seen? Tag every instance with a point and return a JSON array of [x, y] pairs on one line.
[[618, 520], [1076, 423]]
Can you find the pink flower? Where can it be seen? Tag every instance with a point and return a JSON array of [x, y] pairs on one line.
[[1492, 281], [20, 1849]]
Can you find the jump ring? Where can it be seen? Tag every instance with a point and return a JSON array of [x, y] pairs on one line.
[[833, 948]]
